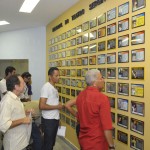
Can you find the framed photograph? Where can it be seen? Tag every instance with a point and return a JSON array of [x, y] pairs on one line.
[[136, 143], [72, 52], [78, 72], [84, 71], [123, 57], [138, 20], [93, 35], [123, 41], [112, 102], [68, 72], [123, 9], [73, 42], [102, 46], [83, 84], [111, 58], [73, 82], [111, 29], [137, 108], [84, 61], [79, 83], [78, 61], [138, 4], [138, 55], [123, 73], [123, 25], [102, 32], [68, 53], [123, 88], [101, 59], [137, 90], [85, 26], [73, 92], [68, 44], [122, 104], [73, 62], [111, 87], [137, 73], [103, 72], [67, 82], [122, 137], [137, 126], [79, 29], [79, 40], [68, 34], [72, 72], [73, 31], [85, 49], [111, 73], [113, 117], [93, 23], [85, 37], [111, 14], [101, 19], [67, 91], [63, 45], [122, 121], [92, 60], [93, 48], [63, 36], [138, 38], [63, 90], [113, 133], [111, 44], [79, 50]]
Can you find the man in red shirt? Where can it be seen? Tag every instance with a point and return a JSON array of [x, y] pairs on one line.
[[94, 115]]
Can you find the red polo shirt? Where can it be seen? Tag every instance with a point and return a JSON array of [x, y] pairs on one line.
[[94, 117]]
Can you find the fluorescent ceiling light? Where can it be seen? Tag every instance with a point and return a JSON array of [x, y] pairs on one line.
[[4, 23], [28, 6]]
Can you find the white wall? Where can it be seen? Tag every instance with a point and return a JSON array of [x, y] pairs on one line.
[[27, 44]]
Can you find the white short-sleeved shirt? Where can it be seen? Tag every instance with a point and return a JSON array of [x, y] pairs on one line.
[[3, 87], [11, 108], [48, 91]]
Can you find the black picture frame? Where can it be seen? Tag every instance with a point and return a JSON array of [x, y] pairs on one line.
[[101, 19], [79, 40], [111, 29], [79, 29], [102, 32], [84, 61], [85, 49], [122, 121], [101, 59], [93, 35], [123, 73], [123, 25], [111, 14], [102, 46], [123, 41], [112, 102], [137, 73], [113, 117], [92, 60], [137, 108], [122, 104], [84, 71], [138, 55], [123, 9], [103, 72], [123, 57], [137, 90], [123, 89], [85, 26], [111, 87], [73, 31], [93, 23], [122, 137], [138, 38], [93, 48], [111, 44], [85, 37], [111, 58], [111, 73], [138, 4]]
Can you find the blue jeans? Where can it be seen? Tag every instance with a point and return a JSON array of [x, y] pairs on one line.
[[36, 136], [50, 127]]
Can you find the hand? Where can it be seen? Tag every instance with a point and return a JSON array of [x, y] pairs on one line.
[[26, 120], [60, 106], [28, 111]]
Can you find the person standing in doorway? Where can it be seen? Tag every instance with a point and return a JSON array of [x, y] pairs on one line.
[[49, 104]]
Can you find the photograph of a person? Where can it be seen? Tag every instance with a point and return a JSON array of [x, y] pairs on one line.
[[85, 26], [122, 121], [85, 37], [93, 48], [123, 73], [137, 73], [93, 23], [122, 104], [123, 9], [102, 46], [101, 19], [112, 102], [111, 87], [111, 44], [123, 25], [123, 41], [137, 126], [111, 29], [111, 58], [123, 88], [138, 4], [111, 73], [92, 60], [85, 49], [136, 143], [93, 35], [122, 137], [138, 55], [102, 32], [137, 108], [101, 59], [111, 14], [79, 29], [123, 57]]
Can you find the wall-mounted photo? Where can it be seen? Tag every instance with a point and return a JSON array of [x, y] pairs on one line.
[[137, 90], [113, 133], [102, 32], [122, 137], [137, 73], [73, 31], [79, 29], [101, 59], [111, 58], [85, 49], [67, 91], [111, 44], [138, 4], [113, 117], [123, 88], [92, 60], [122, 120], [79, 40], [85, 37], [73, 72], [111, 14], [137, 108], [136, 143], [73, 42], [138, 55], [123, 57], [85, 26], [138, 20], [138, 38], [63, 45], [112, 102], [102, 46], [78, 61], [68, 62], [73, 52], [93, 35], [101, 19], [123, 25], [68, 72], [122, 104], [73, 82], [84, 71], [111, 29], [67, 82], [63, 36], [79, 83], [111, 87], [123, 73], [79, 51], [93, 23], [78, 72], [73, 62], [123, 9], [123, 41], [111, 73], [103, 72], [84, 61], [137, 126], [93, 48], [68, 34]]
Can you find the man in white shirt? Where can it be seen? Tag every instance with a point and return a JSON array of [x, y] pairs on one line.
[[13, 121], [49, 104]]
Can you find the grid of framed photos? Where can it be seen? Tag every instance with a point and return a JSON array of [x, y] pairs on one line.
[[109, 43]]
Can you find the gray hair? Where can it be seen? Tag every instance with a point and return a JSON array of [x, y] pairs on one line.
[[91, 76]]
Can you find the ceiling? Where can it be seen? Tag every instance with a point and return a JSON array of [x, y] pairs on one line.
[[43, 13]]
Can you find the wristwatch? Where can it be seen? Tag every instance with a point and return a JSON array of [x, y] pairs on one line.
[[112, 147]]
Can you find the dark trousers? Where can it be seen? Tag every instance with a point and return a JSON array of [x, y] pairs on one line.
[[50, 127], [36, 136]]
